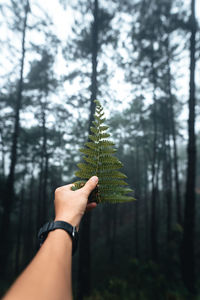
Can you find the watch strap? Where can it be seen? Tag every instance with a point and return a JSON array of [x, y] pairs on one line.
[[50, 226]]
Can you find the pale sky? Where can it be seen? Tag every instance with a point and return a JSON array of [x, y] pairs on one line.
[[63, 20], [182, 83]]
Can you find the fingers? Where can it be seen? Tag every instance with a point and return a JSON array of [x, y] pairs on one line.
[[91, 206], [65, 187], [69, 186], [90, 185]]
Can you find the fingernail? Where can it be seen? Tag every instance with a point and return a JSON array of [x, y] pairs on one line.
[[94, 179]]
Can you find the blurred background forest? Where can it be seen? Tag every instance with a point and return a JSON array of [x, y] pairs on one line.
[[141, 60]]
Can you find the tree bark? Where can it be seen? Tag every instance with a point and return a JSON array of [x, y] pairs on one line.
[[146, 206], [39, 200], [154, 244], [84, 246], [114, 233], [137, 202], [43, 176], [167, 176], [8, 199], [30, 232], [84, 258], [188, 256], [173, 133], [2, 152], [19, 231], [45, 158]]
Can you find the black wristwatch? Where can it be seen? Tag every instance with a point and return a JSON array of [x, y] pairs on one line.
[[50, 226]]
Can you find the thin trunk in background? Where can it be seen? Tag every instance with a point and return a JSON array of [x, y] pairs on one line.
[[174, 135], [30, 232], [3, 152], [107, 221], [21, 226], [45, 159], [84, 245], [43, 175], [167, 176], [188, 256], [137, 203], [8, 200], [169, 194], [154, 242], [114, 232], [39, 200], [19, 231], [146, 206]]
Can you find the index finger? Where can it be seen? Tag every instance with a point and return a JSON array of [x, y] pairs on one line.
[[91, 206], [65, 187]]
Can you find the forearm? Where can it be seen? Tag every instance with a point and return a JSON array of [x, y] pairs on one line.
[[48, 276]]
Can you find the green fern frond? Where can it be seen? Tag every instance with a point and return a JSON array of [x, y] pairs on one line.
[[111, 181], [107, 151], [94, 130], [100, 161], [105, 143], [91, 145], [88, 152], [103, 128], [99, 121], [86, 167]]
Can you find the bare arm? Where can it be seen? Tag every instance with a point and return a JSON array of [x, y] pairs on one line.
[[48, 276]]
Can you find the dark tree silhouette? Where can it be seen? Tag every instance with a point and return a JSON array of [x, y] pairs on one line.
[[84, 247], [188, 256], [8, 200]]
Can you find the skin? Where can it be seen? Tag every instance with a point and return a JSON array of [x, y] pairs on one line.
[[48, 276]]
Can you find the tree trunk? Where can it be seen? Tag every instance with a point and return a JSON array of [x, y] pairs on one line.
[[8, 200], [30, 232], [46, 171], [45, 159], [137, 202], [42, 187], [114, 232], [173, 133], [39, 200], [188, 259], [84, 245], [169, 196], [154, 245], [167, 178], [19, 232], [84, 258], [2, 152], [146, 206], [107, 220]]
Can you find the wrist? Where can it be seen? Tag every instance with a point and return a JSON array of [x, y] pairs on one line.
[[71, 220], [60, 234], [61, 226]]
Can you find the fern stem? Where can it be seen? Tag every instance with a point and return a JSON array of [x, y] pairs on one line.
[[98, 154]]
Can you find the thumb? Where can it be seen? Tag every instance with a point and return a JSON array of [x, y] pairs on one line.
[[90, 185]]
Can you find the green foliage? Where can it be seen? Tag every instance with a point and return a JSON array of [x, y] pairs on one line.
[[100, 161], [143, 281], [117, 289]]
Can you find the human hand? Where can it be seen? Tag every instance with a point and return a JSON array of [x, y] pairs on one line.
[[70, 205]]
